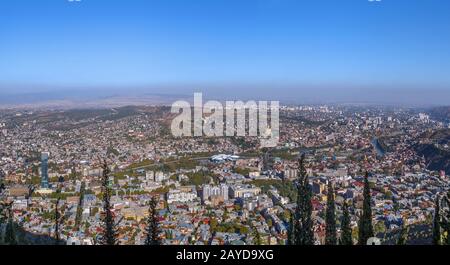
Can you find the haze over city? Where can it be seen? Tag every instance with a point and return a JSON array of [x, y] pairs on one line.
[[352, 51]]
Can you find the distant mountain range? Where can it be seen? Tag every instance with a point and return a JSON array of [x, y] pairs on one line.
[[83, 101], [94, 97]]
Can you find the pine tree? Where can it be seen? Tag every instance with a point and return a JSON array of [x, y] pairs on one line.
[[365, 222], [445, 219], [436, 224], [304, 234], [403, 236], [256, 236], [57, 217], [291, 230], [3, 216], [330, 219], [346, 230], [109, 229], [395, 204], [152, 224], [10, 233]]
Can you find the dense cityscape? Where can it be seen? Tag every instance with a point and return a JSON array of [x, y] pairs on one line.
[[57, 165]]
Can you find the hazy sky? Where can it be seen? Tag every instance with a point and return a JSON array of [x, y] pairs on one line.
[[392, 46]]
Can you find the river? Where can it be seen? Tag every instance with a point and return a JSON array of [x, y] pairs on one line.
[[377, 146]]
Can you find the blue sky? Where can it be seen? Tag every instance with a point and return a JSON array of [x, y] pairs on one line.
[[401, 45]]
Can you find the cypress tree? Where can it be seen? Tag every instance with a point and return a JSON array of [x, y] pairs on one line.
[[445, 219], [365, 222], [291, 230], [3, 221], [346, 230], [152, 224], [109, 229], [57, 214], [436, 224], [304, 234], [2, 185], [402, 236], [256, 236], [330, 219], [57, 236], [395, 204], [8, 229], [10, 233]]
